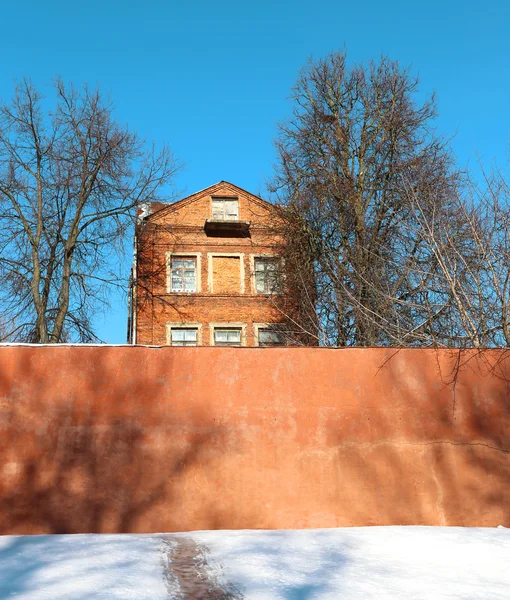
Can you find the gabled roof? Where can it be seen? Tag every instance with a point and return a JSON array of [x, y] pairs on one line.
[[209, 191]]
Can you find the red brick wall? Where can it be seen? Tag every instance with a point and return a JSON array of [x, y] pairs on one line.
[[226, 275], [173, 439], [224, 300]]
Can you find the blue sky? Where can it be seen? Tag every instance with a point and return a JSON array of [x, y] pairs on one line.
[[211, 79]]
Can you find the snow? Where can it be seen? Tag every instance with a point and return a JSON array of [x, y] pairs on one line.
[[327, 564], [72, 567], [361, 563]]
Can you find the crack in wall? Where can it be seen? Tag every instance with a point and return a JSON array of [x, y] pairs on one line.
[[418, 444]]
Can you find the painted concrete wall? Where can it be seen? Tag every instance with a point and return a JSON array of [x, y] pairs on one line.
[[161, 439]]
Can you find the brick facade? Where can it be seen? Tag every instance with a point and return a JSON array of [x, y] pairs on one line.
[[224, 287]]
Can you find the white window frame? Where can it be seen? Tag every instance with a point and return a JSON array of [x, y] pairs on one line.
[[225, 199], [257, 327], [183, 325], [241, 326], [211, 255], [253, 258], [198, 276]]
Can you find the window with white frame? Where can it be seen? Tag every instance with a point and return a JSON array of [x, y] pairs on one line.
[[267, 275], [227, 336], [183, 274], [180, 336], [270, 337], [225, 209]]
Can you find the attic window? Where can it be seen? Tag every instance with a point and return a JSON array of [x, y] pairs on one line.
[[225, 209]]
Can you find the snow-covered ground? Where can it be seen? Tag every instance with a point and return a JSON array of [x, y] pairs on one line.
[[328, 564]]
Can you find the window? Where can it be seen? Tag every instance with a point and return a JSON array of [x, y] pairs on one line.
[[269, 337], [267, 275], [227, 337], [183, 337], [184, 274], [225, 209]]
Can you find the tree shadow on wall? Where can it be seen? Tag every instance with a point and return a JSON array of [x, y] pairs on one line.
[[479, 417], [434, 451], [92, 478], [113, 457]]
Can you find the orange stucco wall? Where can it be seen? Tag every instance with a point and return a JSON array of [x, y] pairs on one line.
[[161, 439]]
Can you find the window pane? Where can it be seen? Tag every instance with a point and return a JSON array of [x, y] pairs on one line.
[[225, 209], [260, 280], [183, 274], [218, 209], [271, 282], [227, 337], [184, 337], [263, 264], [183, 263], [176, 283], [267, 274], [267, 337], [232, 209], [178, 334], [189, 281]]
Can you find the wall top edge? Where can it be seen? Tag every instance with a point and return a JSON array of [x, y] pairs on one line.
[[246, 348]]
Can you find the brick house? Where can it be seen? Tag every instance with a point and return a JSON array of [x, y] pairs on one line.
[[207, 272]]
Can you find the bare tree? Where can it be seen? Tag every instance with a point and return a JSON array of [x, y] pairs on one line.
[[357, 152], [473, 261], [70, 179], [495, 249]]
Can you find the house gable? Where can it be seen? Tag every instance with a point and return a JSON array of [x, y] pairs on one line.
[[197, 208]]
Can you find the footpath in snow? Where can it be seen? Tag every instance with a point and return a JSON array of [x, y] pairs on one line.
[[380, 563]]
